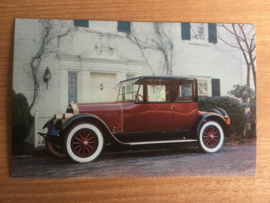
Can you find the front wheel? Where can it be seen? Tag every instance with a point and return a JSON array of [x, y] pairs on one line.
[[211, 137], [84, 142]]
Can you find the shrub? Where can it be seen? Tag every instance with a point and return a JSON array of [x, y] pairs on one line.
[[232, 106], [21, 121], [248, 96]]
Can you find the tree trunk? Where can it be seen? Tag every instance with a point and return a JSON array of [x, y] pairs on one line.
[[248, 75]]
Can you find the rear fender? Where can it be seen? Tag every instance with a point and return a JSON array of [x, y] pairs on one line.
[[208, 117]]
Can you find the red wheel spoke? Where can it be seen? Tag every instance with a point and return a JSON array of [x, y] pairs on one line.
[[77, 147], [80, 150], [87, 149], [80, 135], [87, 135], [90, 138], [83, 150], [77, 138], [76, 142], [90, 146]]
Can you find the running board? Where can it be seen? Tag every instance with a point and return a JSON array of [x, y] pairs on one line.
[[159, 142]]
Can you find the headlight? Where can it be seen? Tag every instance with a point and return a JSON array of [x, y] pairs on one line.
[[66, 116], [56, 117]]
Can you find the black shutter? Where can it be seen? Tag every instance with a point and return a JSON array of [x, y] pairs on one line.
[[185, 30], [123, 26], [215, 87], [81, 23], [212, 32]]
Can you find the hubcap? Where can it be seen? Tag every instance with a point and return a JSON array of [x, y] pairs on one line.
[[211, 136], [84, 143]]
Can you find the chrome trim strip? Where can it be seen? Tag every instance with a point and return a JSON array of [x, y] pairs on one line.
[[160, 142]]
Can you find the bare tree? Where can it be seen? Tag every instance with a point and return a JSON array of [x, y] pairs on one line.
[[244, 40], [155, 40], [50, 38], [159, 41]]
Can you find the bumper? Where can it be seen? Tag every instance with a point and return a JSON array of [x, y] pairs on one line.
[[54, 139], [52, 135]]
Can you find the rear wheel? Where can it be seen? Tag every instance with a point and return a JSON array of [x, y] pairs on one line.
[[211, 137], [84, 142]]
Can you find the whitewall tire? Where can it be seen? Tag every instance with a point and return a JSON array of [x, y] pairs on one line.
[[211, 137], [84, 142]]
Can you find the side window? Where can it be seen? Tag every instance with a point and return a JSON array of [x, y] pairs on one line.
[[72, 87], [158, 90], [183, 91]]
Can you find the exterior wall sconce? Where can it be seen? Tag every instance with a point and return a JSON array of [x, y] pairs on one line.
[[47, 76]]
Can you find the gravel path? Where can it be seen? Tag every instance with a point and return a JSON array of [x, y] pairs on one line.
[[229, 161]]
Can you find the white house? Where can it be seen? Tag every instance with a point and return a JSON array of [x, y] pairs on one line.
[[87, 59]]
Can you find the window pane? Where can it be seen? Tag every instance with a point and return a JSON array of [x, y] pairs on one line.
[[183, 91], [158, 90], [202, 87], [197, 31], [72, 87]]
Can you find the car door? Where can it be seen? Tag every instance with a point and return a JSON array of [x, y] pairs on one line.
[[185, 105], [158, 111]]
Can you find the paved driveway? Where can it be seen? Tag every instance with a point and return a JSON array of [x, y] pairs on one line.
[[229, 161]]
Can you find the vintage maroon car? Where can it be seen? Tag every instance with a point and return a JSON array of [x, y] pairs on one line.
[[148, 110]]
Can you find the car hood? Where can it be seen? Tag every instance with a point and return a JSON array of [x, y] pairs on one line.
[[99, 107]]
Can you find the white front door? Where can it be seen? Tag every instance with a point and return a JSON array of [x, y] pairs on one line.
[[102, 87]]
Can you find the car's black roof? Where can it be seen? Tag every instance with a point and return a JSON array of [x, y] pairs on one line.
[[162, 76]]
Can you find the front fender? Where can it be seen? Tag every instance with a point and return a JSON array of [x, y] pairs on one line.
[[84, 117], [78, 117], [209, 116]]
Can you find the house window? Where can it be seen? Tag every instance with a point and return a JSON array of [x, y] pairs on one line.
[[72, 87], [202, 88], [197, 31], [81, 23], [123, 26]]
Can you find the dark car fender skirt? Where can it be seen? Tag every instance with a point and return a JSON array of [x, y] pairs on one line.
[[209, 117]]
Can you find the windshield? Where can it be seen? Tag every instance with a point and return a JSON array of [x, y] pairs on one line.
[[129, 90]]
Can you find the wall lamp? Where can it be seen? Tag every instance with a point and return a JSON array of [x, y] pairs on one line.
[[47, 76]]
